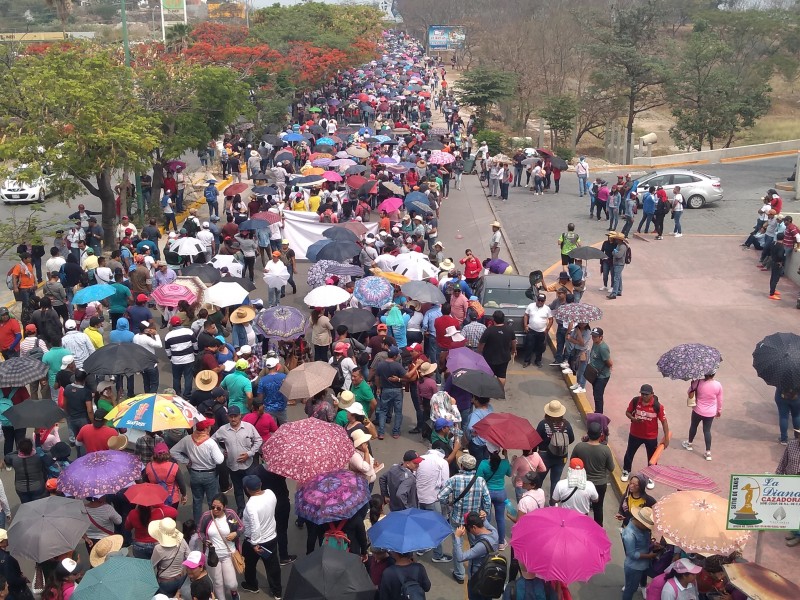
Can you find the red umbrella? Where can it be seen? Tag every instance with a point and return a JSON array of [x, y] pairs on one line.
[[356, 181], [356, 227], [146, 494], [508, 431], [303, 449], [174, 164], [363, 97], [269, 217], [425, 94], [236, 188], [544, 152], [172, 293]]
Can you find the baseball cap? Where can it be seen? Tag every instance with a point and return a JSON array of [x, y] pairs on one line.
[[563, 275], [646, 389], [394, 351], [541, 297], [3, 535], [176, 320], [70, 324], [246, 349], [160, 448], [684, 565], [141, 298], [441, 423], [242, 364], [67, 361], [234, 410], [415, 348], [383, 327], [194, 559], [412, 456], [206, 225], [576, 463], [30, 328], [252, 482], [341, 348], [95, 321], [271, 362], [597, 331]]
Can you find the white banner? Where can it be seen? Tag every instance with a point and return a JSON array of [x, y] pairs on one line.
[[764, 502], [303, 228]]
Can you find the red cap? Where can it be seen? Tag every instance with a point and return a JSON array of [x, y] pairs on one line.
[[576, 463], [30, 328], [383, 327], [141, 298], [205, 424], [176, 320], [415, 348]]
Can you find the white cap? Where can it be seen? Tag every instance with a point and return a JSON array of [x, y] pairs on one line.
[[67, 360], [271, 363], [206, 225], [70, 324], [246, 349]]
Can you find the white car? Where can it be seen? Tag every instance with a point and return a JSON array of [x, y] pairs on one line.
[[15, 191]]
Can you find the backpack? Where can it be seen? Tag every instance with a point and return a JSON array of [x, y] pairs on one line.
[[490, 579], [657, 585], [35, 352], [5, 404], [170, 488], [559, 442], [10, 279], [211, 193], [411, 590], [336, 538], [338, 379], [628, 256], [636, 401], [164, 201]]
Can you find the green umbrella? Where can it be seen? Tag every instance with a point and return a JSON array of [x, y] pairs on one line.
[[118, 578], [315, 109]]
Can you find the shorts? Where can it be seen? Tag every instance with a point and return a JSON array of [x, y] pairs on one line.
[[566, 259], [499, 370]]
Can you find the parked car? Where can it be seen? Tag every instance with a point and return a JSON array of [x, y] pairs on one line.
[[510, 293], [697, 188], [15, 190]]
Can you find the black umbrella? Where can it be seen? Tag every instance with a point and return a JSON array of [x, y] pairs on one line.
[[253, 225], [242, 281], [282, 156], [119, 359], [48, 527], [559, 163], [356, 319], [309, 180], [34, 413], [271, 139], [338, 251], [21, 370], [776, 359], [478, 383], [204, 272], [329, 574], [423, 291], [323, 148], [587, 253], [317, 130], [263, 190], [432, 145], [356, 170], [339, 234]]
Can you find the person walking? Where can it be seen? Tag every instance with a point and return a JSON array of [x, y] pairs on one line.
[[582, 172], [707, 397], [575, 492], [639, 549], [601, 364], [498, 345], [260, 537], [567, 242], [648, 210], [222, 529], [619, 256], [536, 323], [494, 471], [598, 462], [557, 435], [644, 412], [677, 210]]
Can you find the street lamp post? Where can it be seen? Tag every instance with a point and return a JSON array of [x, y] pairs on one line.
[[127, 49]]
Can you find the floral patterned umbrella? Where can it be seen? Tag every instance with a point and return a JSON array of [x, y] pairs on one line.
[[689, 361], [320, 271], [578, 312], [284, 322], [331, 496], [373, 291], [438, 157], [100, 473], [303, 449]]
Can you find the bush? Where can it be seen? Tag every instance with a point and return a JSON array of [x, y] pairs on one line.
[[566, 153], [495, 139]]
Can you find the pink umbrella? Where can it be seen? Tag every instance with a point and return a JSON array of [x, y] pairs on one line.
[[681, 478], [559, 544], [332, 176], [391, 204], [172, 293]]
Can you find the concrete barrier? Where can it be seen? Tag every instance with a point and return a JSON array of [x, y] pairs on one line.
[[785, 147]]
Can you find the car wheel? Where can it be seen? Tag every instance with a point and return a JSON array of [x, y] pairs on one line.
[[41, 195], [696, 201]]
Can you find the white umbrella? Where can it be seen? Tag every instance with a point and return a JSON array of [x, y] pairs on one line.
[[187, 246], [415, 265], [225, 293], [226, 260], [276, 280], [326, 295]]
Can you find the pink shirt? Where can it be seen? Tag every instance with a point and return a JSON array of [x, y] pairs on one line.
[[265, 425], [458, 307], [708, 398], [523, 464]]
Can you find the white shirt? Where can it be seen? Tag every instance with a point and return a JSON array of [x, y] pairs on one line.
[[150, 343], [495, 243], [206, 237], [432, 473], [168, 208], [104, 275], [537, 317], [53, 264], [348, 366], [684, 593], [332, 126], [580, 501], [677, 202], [259, 518], [121, 230]]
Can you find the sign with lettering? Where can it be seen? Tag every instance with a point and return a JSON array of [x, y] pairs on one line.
[[764, 502], [446, 37]]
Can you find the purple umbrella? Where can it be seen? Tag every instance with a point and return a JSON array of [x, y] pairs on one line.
[[373, 291], [387, 160], [321, 162], [284, 322], [464, 358], [99, 473], [333, 102], [330, 497], [689, 361]]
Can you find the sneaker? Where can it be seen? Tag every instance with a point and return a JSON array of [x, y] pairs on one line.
[[687, 445], [415, 430], [708, 455], [650, 484], [793, 542], [501, 547], [774, 297], [659, 237], [678, 235], [580, 390], [458, 579], [783, 442], [575, 386], [566, 371], [556, 363], [564, 364], [289, 559], [442, 559], [612, 296], [247, 588], [625, 476]]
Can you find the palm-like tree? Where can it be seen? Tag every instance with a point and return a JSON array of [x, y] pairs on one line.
[[63, 10], [177, 37]]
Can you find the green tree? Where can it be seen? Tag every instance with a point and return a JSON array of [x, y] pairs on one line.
[[177, 37], [560, 113], [63, 10], [72, 110], [481, 88]]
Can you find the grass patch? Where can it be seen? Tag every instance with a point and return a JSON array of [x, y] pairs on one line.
[[771, 129]]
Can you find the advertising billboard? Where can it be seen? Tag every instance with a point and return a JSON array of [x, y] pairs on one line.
[[446, 37], [763, 502]]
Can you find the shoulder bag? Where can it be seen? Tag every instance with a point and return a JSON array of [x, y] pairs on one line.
[[590, 374], [236, 557]]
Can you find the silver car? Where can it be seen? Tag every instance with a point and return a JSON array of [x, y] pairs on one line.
[[698, 189]]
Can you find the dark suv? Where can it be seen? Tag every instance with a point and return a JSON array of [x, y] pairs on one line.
[[510, 293]]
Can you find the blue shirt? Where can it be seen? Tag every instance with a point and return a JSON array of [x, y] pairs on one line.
[[477, 415], [434, 312], [649, 203], [269, 387], [636, 542]]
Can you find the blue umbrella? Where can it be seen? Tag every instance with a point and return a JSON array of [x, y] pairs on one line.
[[93, 293], [417, 197], [417, 207], [253, 225], [326, 141], [119, 577], [409, 530], [264, 190], [373, 291], [293, 137], [313, 249], [366, 130]]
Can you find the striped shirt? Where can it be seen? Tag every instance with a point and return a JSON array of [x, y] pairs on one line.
[[178, 344]]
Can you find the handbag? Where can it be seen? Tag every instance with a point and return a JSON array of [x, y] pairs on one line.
[[236, 557], [691, 399], [212, 560], [590, 374]]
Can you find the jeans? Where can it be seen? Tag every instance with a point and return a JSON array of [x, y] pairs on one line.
[[272, 565], [581, 185], [239, 334], [213, 208], [597, 507], [647, 218], [677, 215], [479, 451], [415, 400], [249, 265], [203, 484], [75, 426], [504, 190], [499, 504], [613, 218], [534, 346], [459, 568], [279, 416], [598, 389], [617, 279], [768, 241], [605, 266], [274, 297], [150, 380], [785, 410], [143, 549], [238, 488], [391, 397], [626, 228], [433, 506], [553, 465], [494, 187], [580, 373], [633, 578], [187, 372], [130, 384], [432, 351], [179, 201], [633, 446], [517, 176], [538, 184], [695, 421], [561, 340], [170, 587], [170, 218]]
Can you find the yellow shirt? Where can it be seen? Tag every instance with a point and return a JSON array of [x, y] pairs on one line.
[[299, 204], [90, 262], [95, 336], [313, 203]]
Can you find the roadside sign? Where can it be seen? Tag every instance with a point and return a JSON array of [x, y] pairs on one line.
[[764, 502]]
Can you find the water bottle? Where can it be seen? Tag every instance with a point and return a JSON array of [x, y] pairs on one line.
[[510, 508]]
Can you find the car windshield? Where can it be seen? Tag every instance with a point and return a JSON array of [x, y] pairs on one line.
[[506, 297]]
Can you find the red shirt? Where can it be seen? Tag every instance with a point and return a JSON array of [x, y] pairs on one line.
[[646, 425], [776, 203], [440, 325], [265, 425], [472, 267], [95, 438], [19, 396], [139, 529], [8, 330], [790, 236]]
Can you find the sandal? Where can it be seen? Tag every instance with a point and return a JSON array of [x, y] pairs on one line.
[[291, 403]]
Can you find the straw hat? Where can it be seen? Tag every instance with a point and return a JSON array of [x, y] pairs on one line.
[[447, 264], [360, 437], [422, 164], [346, 399], [426, 368], [206, 380], [118, 442], [554, 408], [496, 224], [243, 314], [103, 547], [644, 515], [165, 531]]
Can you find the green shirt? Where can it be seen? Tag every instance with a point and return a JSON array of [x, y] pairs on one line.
[[598, 356], [237, 385], [52, 358], [497, 481], [341, 418], [569, 241], [118, 303], [364, 395]]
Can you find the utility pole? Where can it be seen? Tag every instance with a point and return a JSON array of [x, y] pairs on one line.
[[127, 48]]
